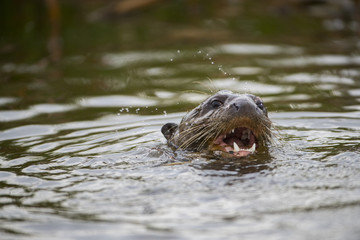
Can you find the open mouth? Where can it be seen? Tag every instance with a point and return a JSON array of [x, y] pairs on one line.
[[239, 142]]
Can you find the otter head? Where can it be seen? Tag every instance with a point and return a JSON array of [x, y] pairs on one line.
[[234, 124]]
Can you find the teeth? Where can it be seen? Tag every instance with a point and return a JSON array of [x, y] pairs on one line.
[[236, 147], [252, 149]]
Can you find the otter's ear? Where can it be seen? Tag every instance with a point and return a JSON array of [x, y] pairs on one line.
[[169, 129]]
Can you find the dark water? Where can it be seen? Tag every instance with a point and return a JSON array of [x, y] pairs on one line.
[[82, 156]]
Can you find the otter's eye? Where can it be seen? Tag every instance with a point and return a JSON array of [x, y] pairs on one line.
[[216, 103], [260, 105]]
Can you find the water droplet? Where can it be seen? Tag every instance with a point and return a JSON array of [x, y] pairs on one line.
[[171, 59], [178, 51]]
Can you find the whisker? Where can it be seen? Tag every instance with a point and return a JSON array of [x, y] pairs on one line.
[[196, 136], [217, 133], [185, 132], [191, 138], [209, 136], [199, 135]]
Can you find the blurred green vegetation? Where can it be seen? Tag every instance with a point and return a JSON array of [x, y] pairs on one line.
[[93, 26]]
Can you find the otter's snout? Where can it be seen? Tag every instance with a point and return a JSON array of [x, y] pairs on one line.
[[243, 107]]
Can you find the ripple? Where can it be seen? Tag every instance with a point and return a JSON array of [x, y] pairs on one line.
[[52, 108], [7, 100], [158, 72], [5, 175], [355, 92], [250, 86], [118, 60], [246, 70], [311, 78], [258, 49], [15, 115], [44, 196], [322, 60], [22, 68], [19, 161], [27, 131], [44, 147], [193, 97], [116, 101], [109, 134], [164, 94]]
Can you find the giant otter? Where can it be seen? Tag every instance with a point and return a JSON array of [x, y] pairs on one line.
[[228, 123]]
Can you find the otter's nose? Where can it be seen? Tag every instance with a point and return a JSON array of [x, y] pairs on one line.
[[243, 105]]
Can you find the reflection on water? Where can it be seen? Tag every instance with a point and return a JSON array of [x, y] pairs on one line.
[[13, 115], [82, 155], [256, 49], [125, 59], [250, 86], [116, 101], [324, 60]]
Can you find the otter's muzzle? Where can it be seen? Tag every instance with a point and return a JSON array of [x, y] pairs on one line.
[[243, 107]]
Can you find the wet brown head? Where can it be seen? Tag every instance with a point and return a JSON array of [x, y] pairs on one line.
[[230, 123]]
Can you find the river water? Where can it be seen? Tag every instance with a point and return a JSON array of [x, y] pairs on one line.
[[82, 155]]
